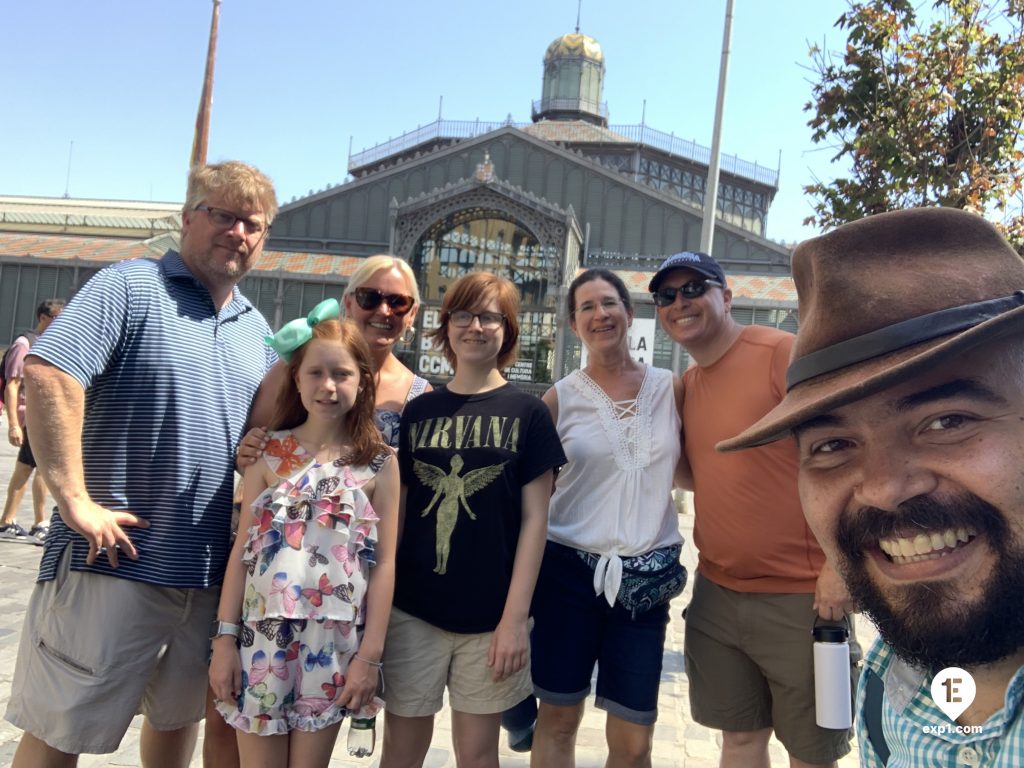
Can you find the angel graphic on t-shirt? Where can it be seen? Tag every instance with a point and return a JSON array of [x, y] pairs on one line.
[[452, 490]]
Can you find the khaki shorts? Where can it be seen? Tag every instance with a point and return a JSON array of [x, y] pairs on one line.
[[750, 665], [97, 650], [420, 660]]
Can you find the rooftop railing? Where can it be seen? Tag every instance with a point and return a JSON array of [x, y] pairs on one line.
[[437, 130], [698, 153], [445, 130]]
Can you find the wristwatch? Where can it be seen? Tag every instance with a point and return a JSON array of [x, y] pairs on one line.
[[224, 628]]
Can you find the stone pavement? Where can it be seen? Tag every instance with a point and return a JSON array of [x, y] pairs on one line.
[[679, 742]]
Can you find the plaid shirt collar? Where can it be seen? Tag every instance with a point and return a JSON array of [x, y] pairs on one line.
[[920, 735]]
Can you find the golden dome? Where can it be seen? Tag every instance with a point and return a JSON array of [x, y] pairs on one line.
[[575, 44]]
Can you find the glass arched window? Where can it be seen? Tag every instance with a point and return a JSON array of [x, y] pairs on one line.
[[476, 239]]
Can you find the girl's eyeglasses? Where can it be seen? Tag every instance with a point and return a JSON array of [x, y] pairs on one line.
[[664, 297], [370, 298], [489, 321]]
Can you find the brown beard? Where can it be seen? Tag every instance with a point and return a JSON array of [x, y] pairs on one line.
[[929, 628]]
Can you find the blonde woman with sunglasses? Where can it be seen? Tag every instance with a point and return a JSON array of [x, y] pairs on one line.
[[382, 298]]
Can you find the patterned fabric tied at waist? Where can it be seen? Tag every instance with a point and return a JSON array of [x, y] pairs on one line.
[[607, 576], [639, 582]]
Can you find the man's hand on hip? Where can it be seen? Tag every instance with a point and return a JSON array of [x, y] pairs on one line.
[[103, 529]]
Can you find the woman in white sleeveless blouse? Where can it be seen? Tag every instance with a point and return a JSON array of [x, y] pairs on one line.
[[612, 559]]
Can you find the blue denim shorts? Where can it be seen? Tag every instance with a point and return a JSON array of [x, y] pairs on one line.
[[574, 629]]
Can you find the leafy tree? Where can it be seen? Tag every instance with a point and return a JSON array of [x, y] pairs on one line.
[[926, 107]]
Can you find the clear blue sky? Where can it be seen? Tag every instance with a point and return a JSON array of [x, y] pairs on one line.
[[295, 80]]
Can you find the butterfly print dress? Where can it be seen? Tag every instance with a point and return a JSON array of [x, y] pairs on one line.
[[307, 558]]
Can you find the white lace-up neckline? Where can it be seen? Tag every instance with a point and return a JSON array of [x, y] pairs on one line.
[[625, 422]]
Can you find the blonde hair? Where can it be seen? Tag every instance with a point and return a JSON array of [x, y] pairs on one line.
[[235, 183], [371, 265]]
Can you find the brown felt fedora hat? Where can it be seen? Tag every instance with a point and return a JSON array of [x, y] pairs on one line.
[[886, 298]]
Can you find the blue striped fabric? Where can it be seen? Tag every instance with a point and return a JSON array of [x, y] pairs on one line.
[[168, 382], [919, 735]]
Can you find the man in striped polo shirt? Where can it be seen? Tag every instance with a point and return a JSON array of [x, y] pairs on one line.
[[137, 398]]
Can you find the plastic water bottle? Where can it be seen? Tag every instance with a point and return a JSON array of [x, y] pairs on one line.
[[362, 736], [832, 704]]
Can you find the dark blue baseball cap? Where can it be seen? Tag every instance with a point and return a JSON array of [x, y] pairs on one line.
[[699, 262]]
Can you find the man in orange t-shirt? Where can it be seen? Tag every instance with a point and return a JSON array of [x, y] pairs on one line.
[[762, 580]]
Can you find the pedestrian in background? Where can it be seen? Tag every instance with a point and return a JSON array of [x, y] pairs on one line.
[[14, 399]]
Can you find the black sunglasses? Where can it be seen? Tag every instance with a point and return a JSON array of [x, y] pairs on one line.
[[664, 297], [371, 298]]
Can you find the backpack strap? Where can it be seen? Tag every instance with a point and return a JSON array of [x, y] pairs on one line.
[[874, 693]]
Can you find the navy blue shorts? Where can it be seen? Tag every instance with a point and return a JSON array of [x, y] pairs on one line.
[[25, 451], [573, 629]]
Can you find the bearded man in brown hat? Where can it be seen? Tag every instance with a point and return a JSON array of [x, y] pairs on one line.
[[906, 395]]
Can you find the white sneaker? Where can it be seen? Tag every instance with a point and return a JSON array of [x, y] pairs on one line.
[[38, 533], [12, 531]]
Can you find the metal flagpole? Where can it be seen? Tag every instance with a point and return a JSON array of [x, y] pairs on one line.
[[707, 231]]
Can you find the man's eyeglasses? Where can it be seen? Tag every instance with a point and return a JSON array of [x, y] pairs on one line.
[[664, 297], [489, 321], [226, 220], [589, 307], [370, 298]]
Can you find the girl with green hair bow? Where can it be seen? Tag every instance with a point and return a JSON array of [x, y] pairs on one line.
[[307, 592]]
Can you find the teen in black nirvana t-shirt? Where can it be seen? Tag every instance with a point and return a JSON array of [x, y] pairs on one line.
[[476, 460], [464, 461]]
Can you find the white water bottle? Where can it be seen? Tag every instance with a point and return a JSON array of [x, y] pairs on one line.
[[832, 701], [362, 736]]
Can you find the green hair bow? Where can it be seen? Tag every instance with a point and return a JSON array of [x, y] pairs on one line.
[[297, 332]]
